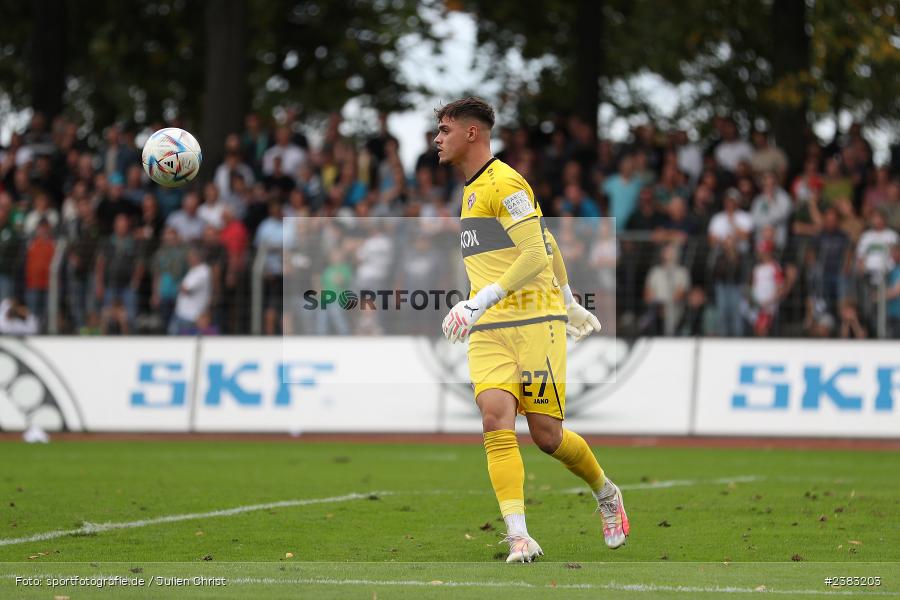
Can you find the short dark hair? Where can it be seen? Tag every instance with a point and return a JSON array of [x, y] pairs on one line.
[[471, 107]]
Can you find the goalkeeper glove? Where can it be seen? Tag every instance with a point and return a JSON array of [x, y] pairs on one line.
[[581, 321], [458, 322]]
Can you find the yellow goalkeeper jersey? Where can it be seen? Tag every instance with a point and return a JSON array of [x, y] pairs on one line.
[[496, 199]]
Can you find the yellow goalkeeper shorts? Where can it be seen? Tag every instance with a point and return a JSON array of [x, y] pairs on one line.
[[528, 361]]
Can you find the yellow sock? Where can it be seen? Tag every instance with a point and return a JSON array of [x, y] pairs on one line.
[[506, 469], [578, 458]]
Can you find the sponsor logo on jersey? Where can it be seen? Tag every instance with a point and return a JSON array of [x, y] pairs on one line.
[[468, 238], [471, 200]]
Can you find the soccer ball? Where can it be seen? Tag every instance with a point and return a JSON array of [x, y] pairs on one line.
[[171, 157]]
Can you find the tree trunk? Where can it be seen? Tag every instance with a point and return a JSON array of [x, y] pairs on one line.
[[790, 57], [226, 69], [588, 58], [48, 56]]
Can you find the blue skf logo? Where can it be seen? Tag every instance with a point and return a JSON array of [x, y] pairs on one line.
[[164, 384], [771, 387]]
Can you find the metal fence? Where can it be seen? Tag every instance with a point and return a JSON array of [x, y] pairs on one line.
[[659, 286]]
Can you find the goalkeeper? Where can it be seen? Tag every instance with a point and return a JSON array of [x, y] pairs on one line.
[[515, 321]]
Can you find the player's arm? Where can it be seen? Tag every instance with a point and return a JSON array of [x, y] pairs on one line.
[[532, 259], [526, 235], [581, 321]]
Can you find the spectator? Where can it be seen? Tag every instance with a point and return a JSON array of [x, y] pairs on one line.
[[832, 251], [891, 207], [671, 184], [254, 143], [216, 257], [186, 221], [116, 156], [852, 225], [646, 218], [689, 157], [808, 183], [119, 272], [149, 226], [767, 289], [168, 268], [84, 241], [235, 240], [767, 158], [291, 156], [731, 223], [211, 209], [578, 203], [296, 204], [892, 295], [878, 192], [835, 184], [693, 321], [112, 202], [42, 211], [727, 282], [337, 277], [873, 253], [16, 319], [850, 326], [69, 210], [270, 239], [702, 206], [10, 246], [38, 258], [134, 190], [278, 180], [623, 190], [231, 165], [239, 196], [731, 150], [772, 208], [194, 295], [665, 292], [678, 225]]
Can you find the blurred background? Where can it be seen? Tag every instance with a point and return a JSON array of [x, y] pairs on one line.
[[749, 153]]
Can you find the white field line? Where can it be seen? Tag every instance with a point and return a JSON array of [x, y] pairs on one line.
[[670, 483], [621, 587], [89, 528]]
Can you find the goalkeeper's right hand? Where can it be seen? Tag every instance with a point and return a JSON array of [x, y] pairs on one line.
[[581, 321]]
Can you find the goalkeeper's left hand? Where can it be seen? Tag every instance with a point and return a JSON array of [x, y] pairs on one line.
[[581, 321], [458, 322]]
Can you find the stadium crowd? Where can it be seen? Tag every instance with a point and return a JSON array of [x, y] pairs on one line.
[[712, 236]]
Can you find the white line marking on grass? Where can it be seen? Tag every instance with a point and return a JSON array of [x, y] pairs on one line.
[[620, 587], [89, 528], [659, 485]]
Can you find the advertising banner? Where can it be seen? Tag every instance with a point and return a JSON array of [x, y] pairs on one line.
[[798, 388]]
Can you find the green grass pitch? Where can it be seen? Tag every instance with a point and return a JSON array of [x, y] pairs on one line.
[[288, 519]]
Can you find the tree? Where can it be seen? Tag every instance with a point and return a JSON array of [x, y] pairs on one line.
[[786, 62], [149, 61], [226, 74]]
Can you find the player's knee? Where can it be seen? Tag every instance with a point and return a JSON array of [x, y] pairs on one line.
[[547, 441], [492, 422]]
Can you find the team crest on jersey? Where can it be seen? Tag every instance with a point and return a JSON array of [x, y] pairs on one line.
[[471, 200]]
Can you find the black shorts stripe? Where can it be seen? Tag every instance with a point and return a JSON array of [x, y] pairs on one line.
[[555, 391], [519, 323]]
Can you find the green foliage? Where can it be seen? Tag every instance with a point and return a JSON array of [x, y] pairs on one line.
[[724, 49], [145, 60]]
